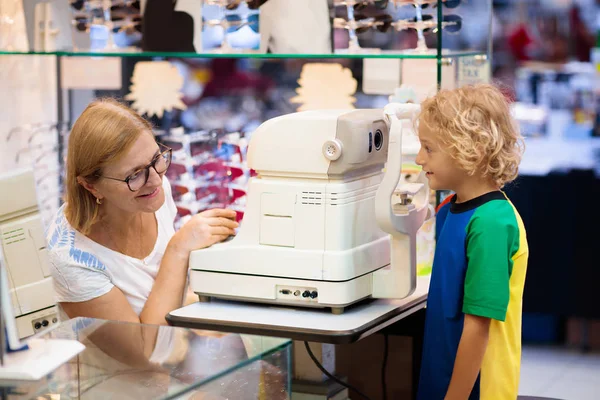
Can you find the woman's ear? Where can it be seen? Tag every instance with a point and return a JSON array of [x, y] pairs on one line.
[[90, 187]]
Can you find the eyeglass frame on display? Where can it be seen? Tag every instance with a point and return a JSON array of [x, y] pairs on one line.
[[117, 26], [234, 4], [450, 23], [426, 3], [79, 4], [382, 4]]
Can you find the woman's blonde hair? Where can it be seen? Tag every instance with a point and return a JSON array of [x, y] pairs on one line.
[[475, 127], [103, 133]]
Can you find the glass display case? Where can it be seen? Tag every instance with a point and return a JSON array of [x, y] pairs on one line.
[[133, 361]]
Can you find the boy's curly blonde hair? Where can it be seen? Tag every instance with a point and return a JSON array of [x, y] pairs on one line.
[[475, 127]]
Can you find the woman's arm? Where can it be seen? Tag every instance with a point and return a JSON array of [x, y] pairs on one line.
[[167, 294], [203, 230], [168, 291]]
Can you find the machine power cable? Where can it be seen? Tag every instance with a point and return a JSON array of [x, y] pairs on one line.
[[384, 366], [331, 376]]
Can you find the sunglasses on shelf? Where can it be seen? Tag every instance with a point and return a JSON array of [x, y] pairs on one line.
[[450, 24], [202, 151], [218, 170], [99, 4], [255, 4], [82, 24], [233, 22], [446, 3], [234, 4], [193, 149], [178, 171], [361, 4], [358, 26], [427, 24], [221, 193], [381, 22], [179, 191], [351, 3], [228, 4], [213, 170], [426, 3], [251, 21], [126, 6], [382, 4], [188, 209], [378, 4]]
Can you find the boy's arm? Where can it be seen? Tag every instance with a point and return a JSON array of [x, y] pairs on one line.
[[469, 357], [492, 241]]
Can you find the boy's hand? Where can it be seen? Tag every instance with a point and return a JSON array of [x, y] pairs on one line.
[[469, 357]]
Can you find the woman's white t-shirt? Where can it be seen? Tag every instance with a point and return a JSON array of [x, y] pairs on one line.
[[83, 269]]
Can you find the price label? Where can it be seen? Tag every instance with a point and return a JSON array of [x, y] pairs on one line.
[[472, 70]]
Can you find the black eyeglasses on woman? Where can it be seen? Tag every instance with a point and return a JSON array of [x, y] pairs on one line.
[[139, 178]]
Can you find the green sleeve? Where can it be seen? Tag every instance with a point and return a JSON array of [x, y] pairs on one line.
[[492, 241]]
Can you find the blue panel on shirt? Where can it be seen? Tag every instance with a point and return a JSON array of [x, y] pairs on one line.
[[444, 321]]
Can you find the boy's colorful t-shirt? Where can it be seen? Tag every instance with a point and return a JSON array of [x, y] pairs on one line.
[[479, 269]]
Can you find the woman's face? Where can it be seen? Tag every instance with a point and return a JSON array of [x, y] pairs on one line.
[[113, 193]]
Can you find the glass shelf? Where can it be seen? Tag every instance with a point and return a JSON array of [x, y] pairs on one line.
[[182, 363], [117, 53]]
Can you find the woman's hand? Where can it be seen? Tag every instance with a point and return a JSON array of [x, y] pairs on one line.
[[204, 230]]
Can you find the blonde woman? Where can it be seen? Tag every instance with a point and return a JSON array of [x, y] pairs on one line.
[[113, 250]]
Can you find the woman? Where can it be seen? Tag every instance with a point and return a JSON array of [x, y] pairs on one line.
[[113, 250]]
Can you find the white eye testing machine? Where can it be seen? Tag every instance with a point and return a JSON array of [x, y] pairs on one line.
[[327, 222], [24, 246]]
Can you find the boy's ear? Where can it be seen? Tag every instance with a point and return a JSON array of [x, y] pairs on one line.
[[90, 187]]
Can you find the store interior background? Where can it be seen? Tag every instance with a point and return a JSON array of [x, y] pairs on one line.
[[557, 193]]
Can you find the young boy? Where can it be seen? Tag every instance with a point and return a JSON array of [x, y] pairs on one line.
[[472, 346]]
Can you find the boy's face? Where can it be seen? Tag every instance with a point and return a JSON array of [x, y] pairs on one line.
[[442, 170]]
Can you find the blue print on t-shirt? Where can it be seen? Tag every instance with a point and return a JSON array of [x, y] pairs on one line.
[[64, 236]]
